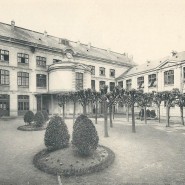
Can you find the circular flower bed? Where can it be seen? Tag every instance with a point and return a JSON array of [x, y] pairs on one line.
[[67, 162], [31, 128]]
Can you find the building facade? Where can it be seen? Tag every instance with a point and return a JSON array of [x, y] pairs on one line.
[[35, 67]]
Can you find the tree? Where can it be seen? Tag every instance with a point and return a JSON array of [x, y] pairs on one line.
[[62, 100], [180, 101], [73, 96], [157, 99], [169, 98], [85, 96], [144, 100], [95, 99]]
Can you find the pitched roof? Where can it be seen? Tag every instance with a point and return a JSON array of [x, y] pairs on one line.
[[53, 42], [153, 65]]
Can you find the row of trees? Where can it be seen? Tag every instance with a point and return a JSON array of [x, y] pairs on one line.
[[129, 98]]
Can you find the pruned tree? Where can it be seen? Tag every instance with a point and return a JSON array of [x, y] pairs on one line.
[[157, 99], [62, 100], [145, 100], [85, 96]]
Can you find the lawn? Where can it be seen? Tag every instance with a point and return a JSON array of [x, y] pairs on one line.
[[150, 156]]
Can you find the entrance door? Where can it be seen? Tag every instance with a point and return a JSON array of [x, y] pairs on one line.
[[4, 105]]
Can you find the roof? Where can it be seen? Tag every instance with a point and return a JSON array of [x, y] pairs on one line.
[[153, 65], [53, 42]]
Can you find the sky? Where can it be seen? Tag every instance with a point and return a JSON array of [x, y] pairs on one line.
[[145, 29]]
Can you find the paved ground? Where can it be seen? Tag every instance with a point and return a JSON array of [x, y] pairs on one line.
[[152, 155]]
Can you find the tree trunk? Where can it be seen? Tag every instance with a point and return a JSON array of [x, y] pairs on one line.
[[74, 112], [96, 113], [110, 115], [63, 114], [159, 108], [145, 116], [133, 119], [105, 120], [84, 109], [182, 119], [127, 112], [113, 112], [167, 115]]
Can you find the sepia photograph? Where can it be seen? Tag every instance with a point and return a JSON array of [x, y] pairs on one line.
[[92, 92]]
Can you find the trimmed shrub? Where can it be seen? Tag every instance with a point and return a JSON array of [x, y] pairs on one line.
[[39, 119], [45, 114], [56, 135], [147, 113], [152, 114], [85, 138], [29, 117]]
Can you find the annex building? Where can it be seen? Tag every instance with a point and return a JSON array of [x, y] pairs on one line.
[[35, 67]]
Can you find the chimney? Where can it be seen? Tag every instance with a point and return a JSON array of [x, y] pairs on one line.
[[89, 45], [12, 24], [45, 33], [78, 43], [108, 50]]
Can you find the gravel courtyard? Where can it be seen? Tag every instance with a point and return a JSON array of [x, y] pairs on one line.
[[153, 155]]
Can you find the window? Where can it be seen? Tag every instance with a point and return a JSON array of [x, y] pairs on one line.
[[41, 80], [23, 58], [128, 84], [4, 77], [102, 71], [120, 84], [4, 55], [169, 77], [140, 82], [23, 79], [184, 73], [112, 73], [41, 61], [92, 70], [101, 83], [23, 103], [152, 80], [93, 84], [112, 85], [79, 81], [56, 61]]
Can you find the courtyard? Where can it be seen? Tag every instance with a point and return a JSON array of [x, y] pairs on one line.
[[153, 155]]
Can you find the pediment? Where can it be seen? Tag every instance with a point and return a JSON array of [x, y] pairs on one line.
[[167, 63]]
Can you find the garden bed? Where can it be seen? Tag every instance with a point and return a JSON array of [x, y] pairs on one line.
[[67, 162], [31, 128]]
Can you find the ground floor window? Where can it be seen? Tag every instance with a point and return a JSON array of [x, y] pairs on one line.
[[23, 104], [4, 104]]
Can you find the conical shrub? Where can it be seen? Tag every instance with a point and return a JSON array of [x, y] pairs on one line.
[[56, 135], [39, 119], [45, 114], [28, 117], [85, 137]]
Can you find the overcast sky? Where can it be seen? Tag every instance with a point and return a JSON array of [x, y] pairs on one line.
[[146, 29]]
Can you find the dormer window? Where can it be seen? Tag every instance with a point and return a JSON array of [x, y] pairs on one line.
[[92, 70], [152, 82], [64, 42], [140, 82], [102, 71], [55, 61], [41, 61]]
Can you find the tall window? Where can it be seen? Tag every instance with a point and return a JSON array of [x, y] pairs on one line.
[[23, 79], [128, 84], [140, 82], [56, 61], [79, 81], [4, 77], [184, 74], [23, 58], [120, 84], [92, 70], [169, 77], [112, 73], [102, 71], [101, 83], [41, 61], [23, 103], [4, 55], [93, 84], [41, 80], [152, 80], [112, 85]]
